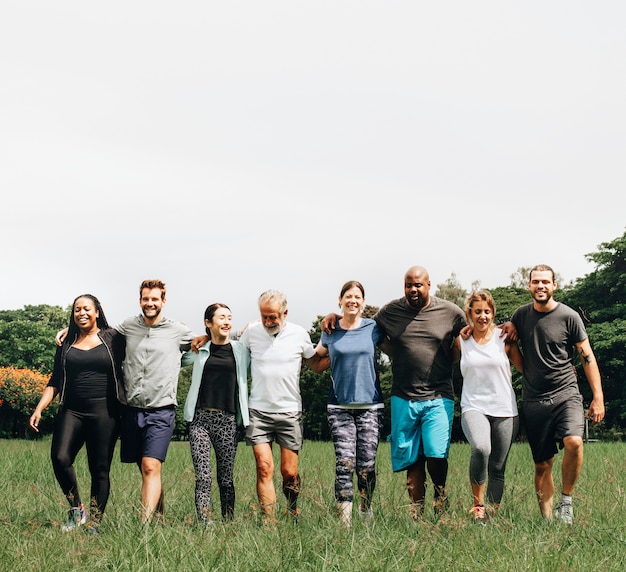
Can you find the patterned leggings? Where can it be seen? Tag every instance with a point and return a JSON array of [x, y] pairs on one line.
[[217, 428], [355, 434]]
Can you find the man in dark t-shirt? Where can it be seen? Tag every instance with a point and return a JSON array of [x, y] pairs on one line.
[[419, 333], [552, 406]]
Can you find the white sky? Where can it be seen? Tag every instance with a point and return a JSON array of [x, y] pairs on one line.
[[231, 147]]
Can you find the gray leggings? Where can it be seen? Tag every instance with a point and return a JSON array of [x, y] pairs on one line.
[[490, 439]]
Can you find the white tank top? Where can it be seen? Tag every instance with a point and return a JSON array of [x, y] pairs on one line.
[[486, 375]]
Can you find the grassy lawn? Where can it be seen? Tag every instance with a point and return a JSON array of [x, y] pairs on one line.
[[33, 507]]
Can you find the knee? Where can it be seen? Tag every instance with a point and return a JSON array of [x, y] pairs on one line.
[[289, 473], [61, 460], [543, 468], [481, 451], [573, 444], [150, 467], [264, 469]]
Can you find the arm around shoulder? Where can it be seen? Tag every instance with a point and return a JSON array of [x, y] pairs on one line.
[[320, 360]]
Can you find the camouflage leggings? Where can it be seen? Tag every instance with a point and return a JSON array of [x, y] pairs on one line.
[[355, 434]]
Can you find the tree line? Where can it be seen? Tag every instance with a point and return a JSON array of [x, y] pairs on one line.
[[600, 298]]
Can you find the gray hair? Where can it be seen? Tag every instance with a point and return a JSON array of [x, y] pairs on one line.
[[274, 298]]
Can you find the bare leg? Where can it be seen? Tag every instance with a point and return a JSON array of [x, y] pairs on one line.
[[544, 487], [572, 463], [265, 479], [478, 491], [416, 486], [291, 478], [151, 487]]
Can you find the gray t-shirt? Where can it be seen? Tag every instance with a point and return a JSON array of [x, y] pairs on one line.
[[548, 340], [422, 347]]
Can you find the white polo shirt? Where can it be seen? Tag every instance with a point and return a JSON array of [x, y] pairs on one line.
[[275, 366]]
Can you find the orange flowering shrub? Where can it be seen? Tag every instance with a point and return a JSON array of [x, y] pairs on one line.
[[20, 391]]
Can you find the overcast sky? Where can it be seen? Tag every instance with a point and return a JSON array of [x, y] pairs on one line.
[[232, 147]]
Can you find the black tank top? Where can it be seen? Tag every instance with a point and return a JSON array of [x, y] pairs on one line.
[[218, 388]]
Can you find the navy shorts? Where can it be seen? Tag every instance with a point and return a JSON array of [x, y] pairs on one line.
[[547, 423], [146, 433]]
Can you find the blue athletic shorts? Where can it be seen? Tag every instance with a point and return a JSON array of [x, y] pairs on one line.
[[419, 428], [146, 433]]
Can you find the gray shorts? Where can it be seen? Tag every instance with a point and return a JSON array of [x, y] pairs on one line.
[[547, 423], [284, 428]]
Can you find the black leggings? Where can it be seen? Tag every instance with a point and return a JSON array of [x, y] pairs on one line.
[[97, 427]]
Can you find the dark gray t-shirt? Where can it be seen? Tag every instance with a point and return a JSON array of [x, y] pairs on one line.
[[548, 340], [422, 347]]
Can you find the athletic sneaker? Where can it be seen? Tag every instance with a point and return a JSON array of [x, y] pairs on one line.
[[478, 513], [564, 512], [76, 517], [366, 514]]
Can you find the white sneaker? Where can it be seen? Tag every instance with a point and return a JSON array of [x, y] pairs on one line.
[[564, 513]]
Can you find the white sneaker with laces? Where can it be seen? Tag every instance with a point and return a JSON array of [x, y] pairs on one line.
[[564, 512]]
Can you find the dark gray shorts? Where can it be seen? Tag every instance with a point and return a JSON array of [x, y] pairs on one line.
[[547, 423], [284, 428]]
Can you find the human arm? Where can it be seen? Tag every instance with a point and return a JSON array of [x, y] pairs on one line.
[[198, 342], [456, 350], [386, 347], [320, 360], [328, 322], [49, 393], [509, 330], [61, 335], [592, 372], [466, 332], [515, 355]]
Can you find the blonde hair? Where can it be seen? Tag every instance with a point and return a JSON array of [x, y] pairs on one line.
[[479, 296]]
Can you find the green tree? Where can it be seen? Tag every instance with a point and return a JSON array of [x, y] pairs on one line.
[[508, 299], [600, 298], [27, 336], [452, 291]]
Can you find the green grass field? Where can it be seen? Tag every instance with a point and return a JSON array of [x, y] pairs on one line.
[[32, 508]]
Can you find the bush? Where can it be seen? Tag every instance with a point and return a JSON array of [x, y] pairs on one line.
[[20, 391]]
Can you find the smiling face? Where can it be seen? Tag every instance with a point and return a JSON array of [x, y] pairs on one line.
[[417, 288], [481, 316], [85, 314], [542, 286], [220, 325], [351, 303], [151, 303], [272, 317]]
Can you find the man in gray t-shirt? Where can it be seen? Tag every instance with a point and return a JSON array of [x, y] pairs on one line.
[[552, 406]]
